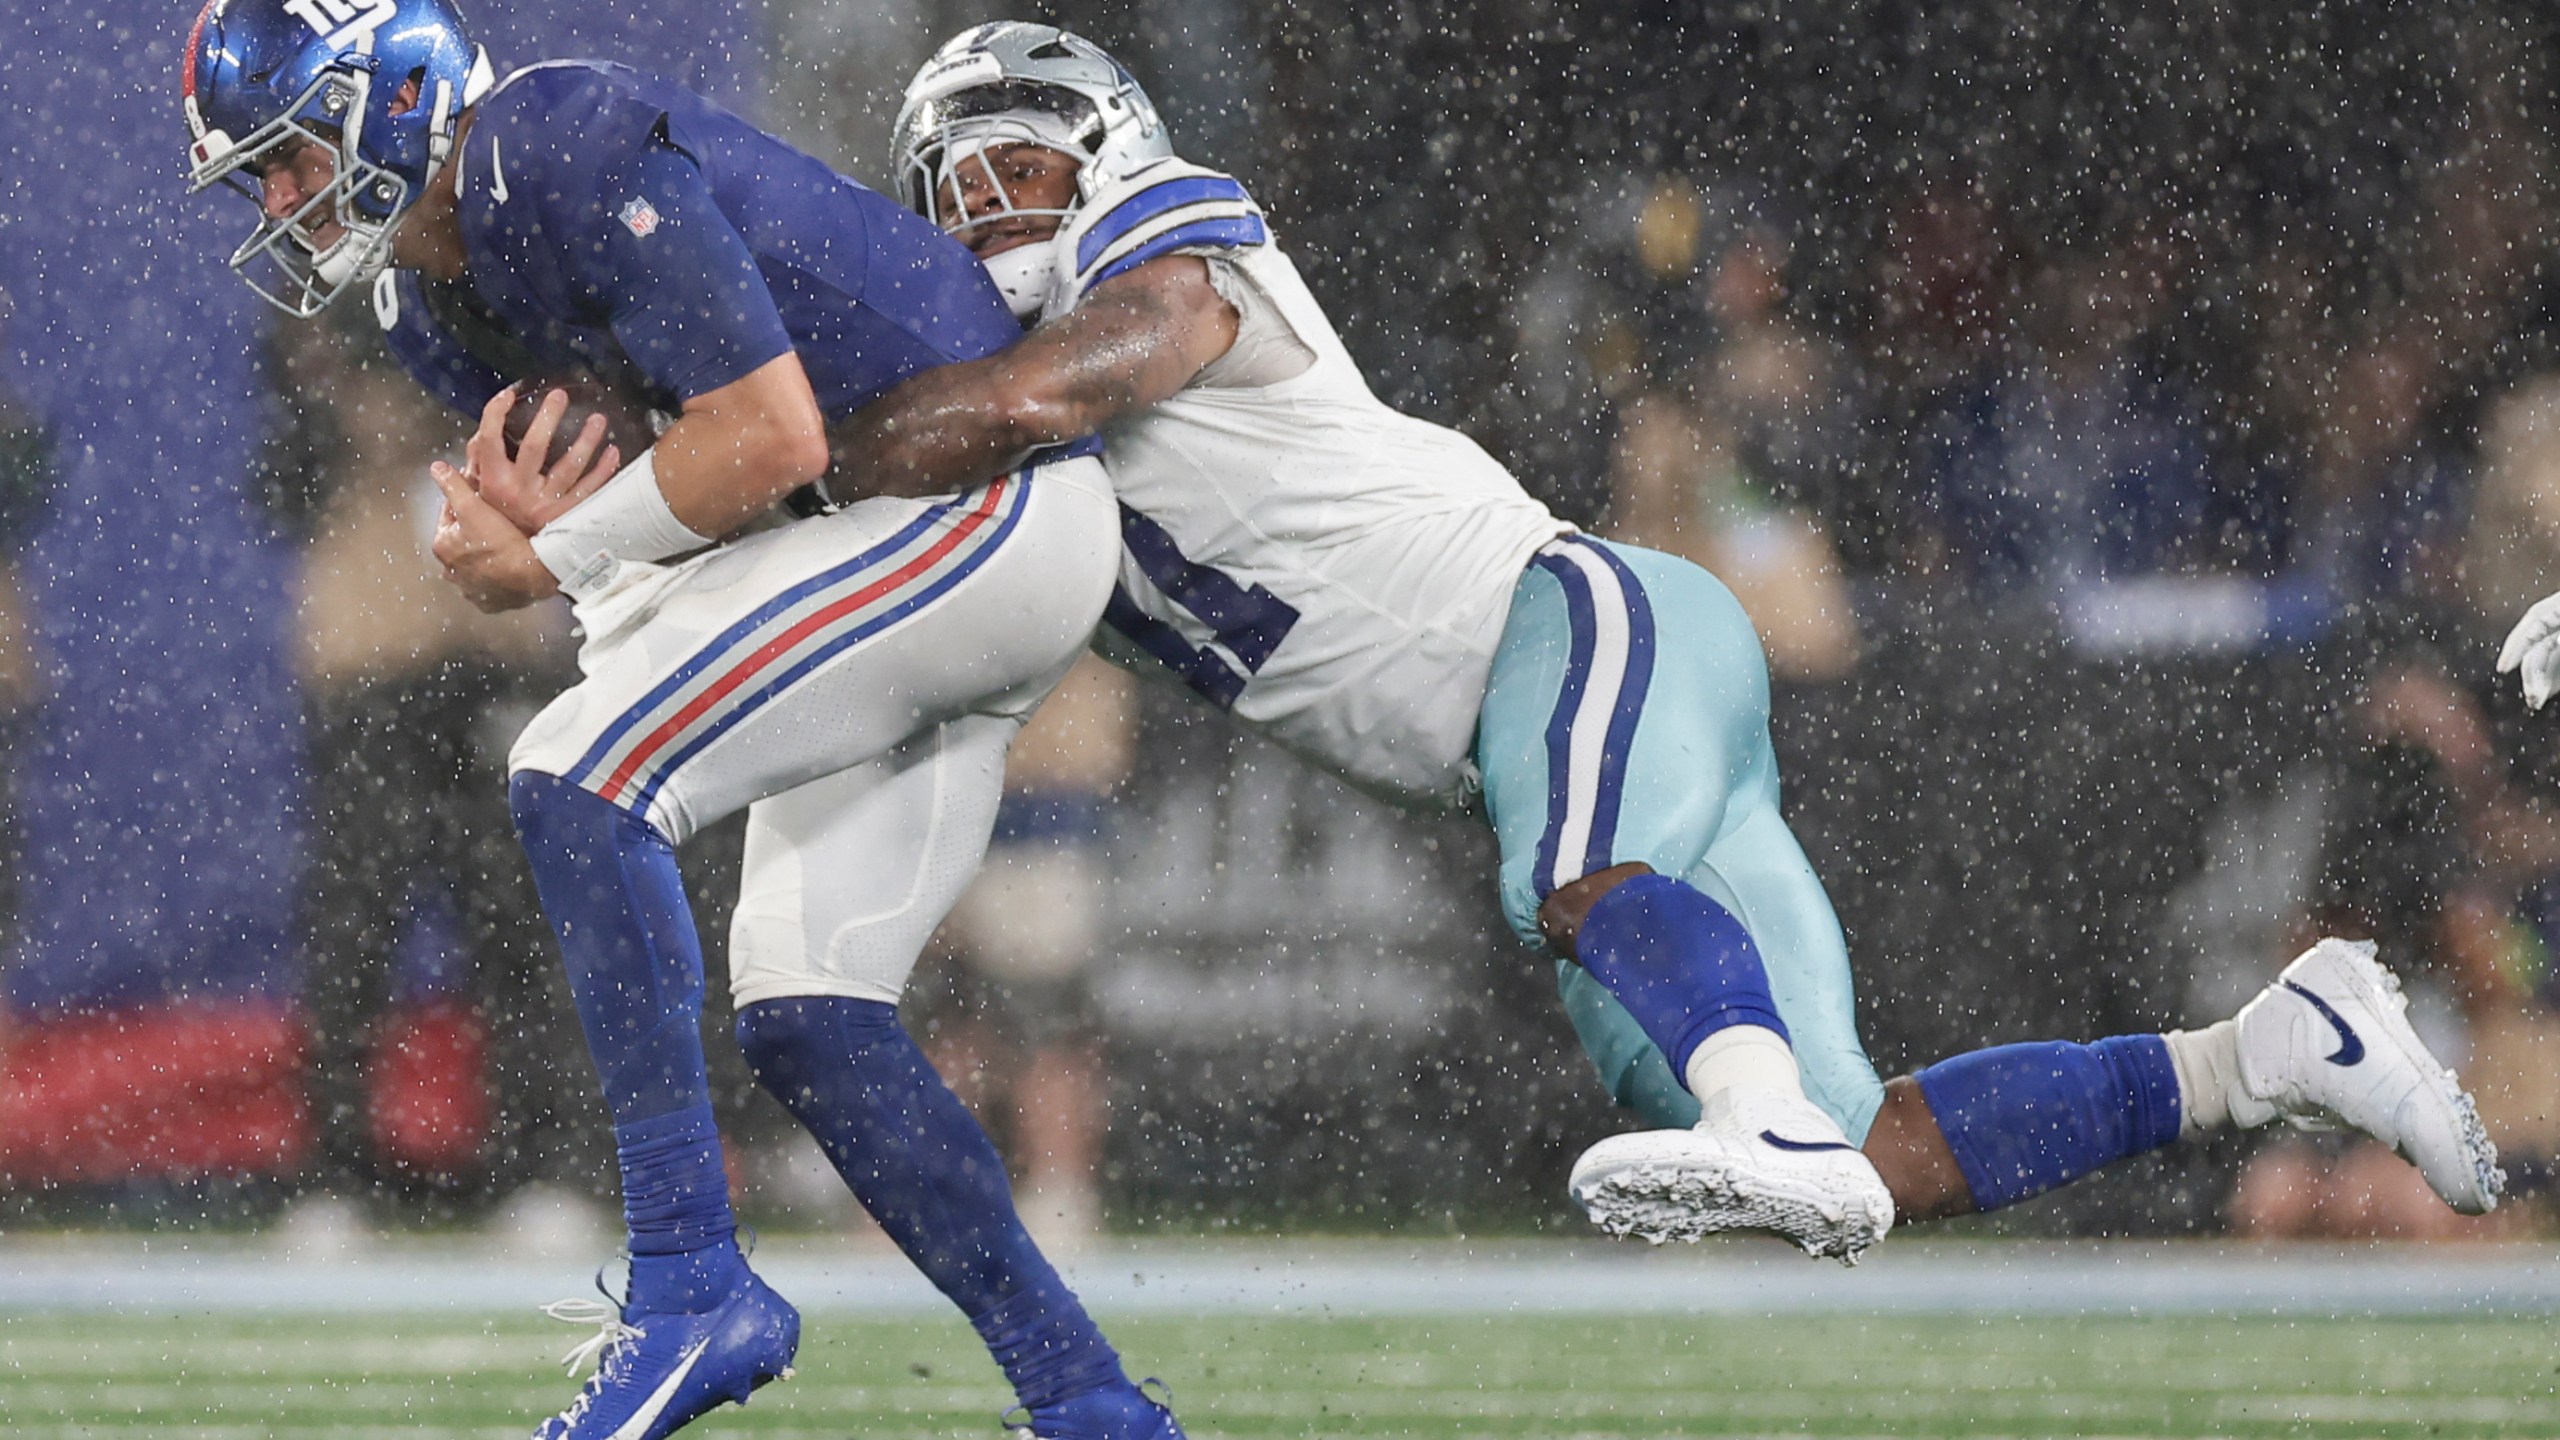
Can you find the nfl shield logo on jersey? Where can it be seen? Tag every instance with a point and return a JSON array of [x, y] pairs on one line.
[[640, 216]]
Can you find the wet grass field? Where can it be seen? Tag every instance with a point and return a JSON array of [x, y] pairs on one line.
[[225, 1375]]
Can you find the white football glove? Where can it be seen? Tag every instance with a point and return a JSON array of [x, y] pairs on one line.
[[2534, 648]]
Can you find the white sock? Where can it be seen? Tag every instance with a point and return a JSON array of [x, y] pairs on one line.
[[1743, 1057], [2210, 1096]]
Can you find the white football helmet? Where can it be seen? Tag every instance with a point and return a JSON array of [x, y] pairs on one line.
[[1013, 83]]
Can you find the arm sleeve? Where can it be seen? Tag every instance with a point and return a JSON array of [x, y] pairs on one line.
[[676, 281]]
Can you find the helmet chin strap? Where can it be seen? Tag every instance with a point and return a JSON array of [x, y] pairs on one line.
[[445, 117], [365, 252], [340, 263], [1026, 274]]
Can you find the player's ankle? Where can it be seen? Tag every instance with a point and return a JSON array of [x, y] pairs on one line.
[[2211, 1096], [688, 1282], [1751, 1059]]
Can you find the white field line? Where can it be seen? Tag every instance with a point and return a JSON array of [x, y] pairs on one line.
[[358, 1404], [1453, 1278]]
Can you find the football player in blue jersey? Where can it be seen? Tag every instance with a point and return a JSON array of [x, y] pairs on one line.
[[1380, 596], [851, 680]]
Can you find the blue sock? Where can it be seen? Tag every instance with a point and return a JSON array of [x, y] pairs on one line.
[[1631, 1069], [609, 883], [1680, 963], [675, 1205], [2023, 1119], [920, 1164]]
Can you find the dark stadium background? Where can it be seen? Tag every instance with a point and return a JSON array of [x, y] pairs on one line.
[[1315, 1020]]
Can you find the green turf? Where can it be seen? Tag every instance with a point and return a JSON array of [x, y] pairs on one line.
[[226, 1376]]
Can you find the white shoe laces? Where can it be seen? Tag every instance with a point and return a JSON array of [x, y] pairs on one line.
[[611, 1340], [603, 1314]]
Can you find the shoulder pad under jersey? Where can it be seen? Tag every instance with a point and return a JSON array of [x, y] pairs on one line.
[[1160, 209], [542, 142]]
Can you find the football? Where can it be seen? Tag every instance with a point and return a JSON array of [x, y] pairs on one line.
[[626, 418]]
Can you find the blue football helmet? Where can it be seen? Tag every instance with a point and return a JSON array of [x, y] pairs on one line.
[[263, 78]]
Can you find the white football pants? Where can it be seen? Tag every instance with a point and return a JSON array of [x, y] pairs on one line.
[[852, 680]]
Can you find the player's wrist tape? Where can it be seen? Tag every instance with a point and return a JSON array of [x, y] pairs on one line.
[[628, 519]]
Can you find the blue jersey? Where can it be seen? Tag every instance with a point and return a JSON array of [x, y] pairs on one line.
[[614, 221]]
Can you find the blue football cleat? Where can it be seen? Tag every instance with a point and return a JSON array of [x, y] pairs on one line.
[[655, 1373], [1120, 1411]]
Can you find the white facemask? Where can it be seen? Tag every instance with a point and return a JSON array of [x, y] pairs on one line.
[[1026, 274]]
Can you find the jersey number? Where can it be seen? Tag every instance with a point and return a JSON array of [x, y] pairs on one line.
[[1246, 619]]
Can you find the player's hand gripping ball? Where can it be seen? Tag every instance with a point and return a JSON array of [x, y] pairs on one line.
[[626, 420], [586, 433]]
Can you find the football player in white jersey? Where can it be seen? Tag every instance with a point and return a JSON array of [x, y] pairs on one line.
[[1380, 596]]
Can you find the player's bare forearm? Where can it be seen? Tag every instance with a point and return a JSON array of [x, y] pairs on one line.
[[940, 431], [739, 449], [734, 452], [1131, 343]]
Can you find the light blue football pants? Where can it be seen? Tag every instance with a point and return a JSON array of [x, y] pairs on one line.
[[1627, 719]]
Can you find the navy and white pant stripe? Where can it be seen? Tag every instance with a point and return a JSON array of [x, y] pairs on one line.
[[1592, 729], [754, 661]]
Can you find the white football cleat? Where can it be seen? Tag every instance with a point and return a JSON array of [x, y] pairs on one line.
[[1754, 1161], [2329, 1045]]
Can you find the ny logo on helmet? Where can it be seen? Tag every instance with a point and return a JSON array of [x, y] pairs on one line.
[[342, 22]]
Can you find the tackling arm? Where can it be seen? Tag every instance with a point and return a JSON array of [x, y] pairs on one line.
[[1132, 342]]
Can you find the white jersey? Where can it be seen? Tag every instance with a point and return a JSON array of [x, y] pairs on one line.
[[1334, 574]]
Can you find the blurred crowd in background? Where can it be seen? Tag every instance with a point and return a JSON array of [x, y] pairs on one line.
[[2131, 428]]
